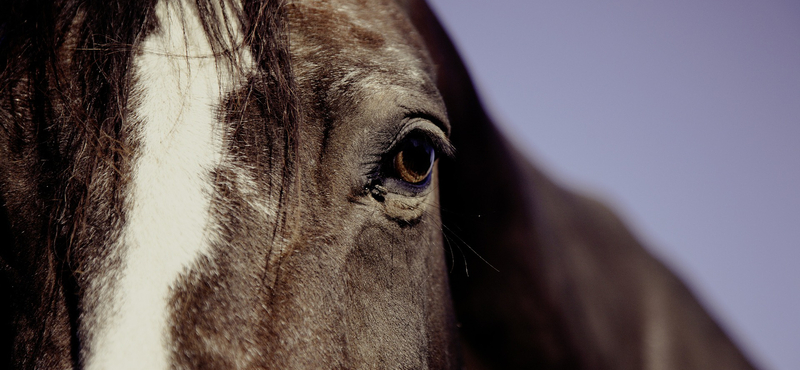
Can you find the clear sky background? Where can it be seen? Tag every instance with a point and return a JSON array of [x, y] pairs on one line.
[[684, 115]]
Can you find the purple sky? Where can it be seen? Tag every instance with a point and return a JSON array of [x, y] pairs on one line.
[[684, 115]]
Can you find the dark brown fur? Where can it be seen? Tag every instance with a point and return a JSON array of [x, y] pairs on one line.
[[344, 274]]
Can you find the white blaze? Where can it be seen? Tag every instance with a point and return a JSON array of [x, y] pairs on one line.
[[179, 88]]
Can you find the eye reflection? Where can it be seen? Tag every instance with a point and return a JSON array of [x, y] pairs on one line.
[[414, 162]]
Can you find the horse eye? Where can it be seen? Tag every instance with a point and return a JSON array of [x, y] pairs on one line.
[[414, 161]]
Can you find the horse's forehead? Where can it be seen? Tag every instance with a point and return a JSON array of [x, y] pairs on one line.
[[345, 37]]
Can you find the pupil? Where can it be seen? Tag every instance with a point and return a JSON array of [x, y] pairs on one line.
[[418, 157]]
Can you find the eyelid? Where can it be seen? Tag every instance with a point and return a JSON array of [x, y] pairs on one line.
[[437, 137]]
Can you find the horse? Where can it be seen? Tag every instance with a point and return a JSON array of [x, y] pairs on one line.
[[209, 184]]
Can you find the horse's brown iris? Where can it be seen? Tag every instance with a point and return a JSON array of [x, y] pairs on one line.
[[414, 162]]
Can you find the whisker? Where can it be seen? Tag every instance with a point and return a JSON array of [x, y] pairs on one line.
[[470, 247], [445, 229], [452, 256]]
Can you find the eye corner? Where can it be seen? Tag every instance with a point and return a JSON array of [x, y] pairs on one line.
[[446, 149]]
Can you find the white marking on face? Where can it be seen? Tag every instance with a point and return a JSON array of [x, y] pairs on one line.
[[179, 88]]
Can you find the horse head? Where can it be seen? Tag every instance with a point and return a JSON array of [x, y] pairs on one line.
[[310, 184]]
